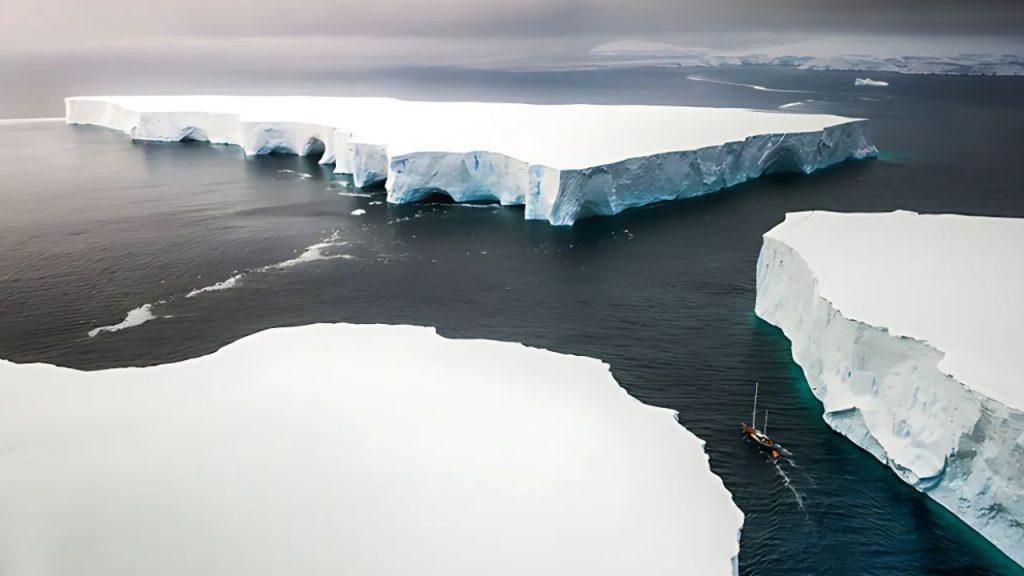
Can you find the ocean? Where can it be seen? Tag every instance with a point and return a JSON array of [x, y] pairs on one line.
[[93, 226]]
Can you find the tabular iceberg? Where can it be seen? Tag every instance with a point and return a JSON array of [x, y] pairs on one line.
[[909, 330], [563, 162], [870, 82], [345, 449]]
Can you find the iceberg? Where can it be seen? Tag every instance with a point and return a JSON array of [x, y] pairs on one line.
[[908, 330], [875, 53], [869, 82], [563, 162], [353, 449]]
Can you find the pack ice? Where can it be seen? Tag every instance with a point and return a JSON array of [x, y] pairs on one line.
[[908, 329], [319, 450], [563, 162]]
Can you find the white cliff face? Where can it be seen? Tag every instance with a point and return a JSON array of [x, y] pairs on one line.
[[311, 450], [563, 196], [564, 162], [907, 328]]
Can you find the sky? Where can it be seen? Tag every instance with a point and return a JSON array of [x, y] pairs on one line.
[[70, 24]]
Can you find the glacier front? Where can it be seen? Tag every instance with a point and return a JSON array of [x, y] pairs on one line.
[[563, 162], [908, 329], [353, 449]]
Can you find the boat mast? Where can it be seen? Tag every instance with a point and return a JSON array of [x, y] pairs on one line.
[[765, 422], [753, 413]]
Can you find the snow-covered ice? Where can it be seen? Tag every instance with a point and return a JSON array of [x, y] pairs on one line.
[[563, 162], [344, 449], [358, 212], [869, 82], [900, 54], [908, 329]]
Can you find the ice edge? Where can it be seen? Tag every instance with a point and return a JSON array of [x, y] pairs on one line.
[[888, 395], [558, 196]]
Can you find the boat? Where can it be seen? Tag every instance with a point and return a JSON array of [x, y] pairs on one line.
[[761, 438]]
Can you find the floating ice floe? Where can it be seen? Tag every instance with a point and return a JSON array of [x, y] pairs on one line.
[[222, 285], [322, 250], [317, 450], [869, 82], [908, 329], [564, 162], [135, 317]]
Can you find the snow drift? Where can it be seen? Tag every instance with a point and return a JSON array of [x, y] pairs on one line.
[[564, 162], [318, 450], [908, 329]]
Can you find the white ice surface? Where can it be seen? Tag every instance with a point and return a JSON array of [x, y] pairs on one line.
[[343, 449], [955, 282], [511, 153], [564, 137]]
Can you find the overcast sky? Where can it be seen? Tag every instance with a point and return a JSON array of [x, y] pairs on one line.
[[38, 24]]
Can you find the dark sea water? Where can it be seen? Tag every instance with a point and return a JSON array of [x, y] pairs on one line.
[[93, 225]]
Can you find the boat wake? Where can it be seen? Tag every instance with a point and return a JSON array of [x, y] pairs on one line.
[[788, 483]]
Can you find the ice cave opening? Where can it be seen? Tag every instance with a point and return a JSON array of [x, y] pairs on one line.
[[191, 133], [314, 149]]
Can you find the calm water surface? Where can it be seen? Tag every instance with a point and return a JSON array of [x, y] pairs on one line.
[[93, 225]]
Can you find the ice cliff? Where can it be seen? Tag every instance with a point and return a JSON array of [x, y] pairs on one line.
[[908, 329], [310, 450], [563, 162]]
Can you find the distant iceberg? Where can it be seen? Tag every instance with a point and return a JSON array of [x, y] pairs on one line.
[[904, 55], [564, 162], [344, 449], [869, 82], [908, 329]]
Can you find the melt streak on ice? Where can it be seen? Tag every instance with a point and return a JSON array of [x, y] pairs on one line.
[[345, 449], [563, 162], [908, 328]]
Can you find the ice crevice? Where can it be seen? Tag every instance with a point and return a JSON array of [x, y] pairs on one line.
[[893, 391], [563, 162]]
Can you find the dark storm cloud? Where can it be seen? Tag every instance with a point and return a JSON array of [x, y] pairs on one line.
[[64, 22]]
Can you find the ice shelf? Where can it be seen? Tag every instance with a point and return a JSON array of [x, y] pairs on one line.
[[564, 162], [908, 329], [345, 449]]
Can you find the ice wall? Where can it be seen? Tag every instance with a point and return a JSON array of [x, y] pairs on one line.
[[892, 375], [563, 196], [564, 162], [311, 450]]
